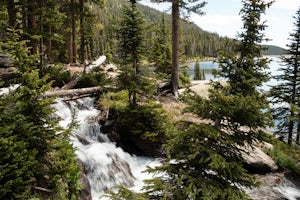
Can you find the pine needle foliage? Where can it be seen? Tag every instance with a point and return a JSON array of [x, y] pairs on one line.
[[160, 53], [287, 92], [205, 160], [202, 164], [35, 152], [245, 69], [197, 71], [131, 51]]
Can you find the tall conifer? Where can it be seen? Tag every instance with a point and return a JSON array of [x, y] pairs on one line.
[[205, 160], [194, 6], [287, 92], [197, 71], [35, 151], [130, 34]]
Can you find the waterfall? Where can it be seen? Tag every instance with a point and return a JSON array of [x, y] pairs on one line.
[[105, 164]]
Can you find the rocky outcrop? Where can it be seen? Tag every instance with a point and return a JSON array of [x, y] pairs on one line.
[[275, 186], [5, 61], [85, 193], [258, 162], [129, 142]]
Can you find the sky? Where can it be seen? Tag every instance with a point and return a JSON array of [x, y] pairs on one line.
[[222, 17]]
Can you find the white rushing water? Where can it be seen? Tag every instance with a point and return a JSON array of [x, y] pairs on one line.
[[106, 165]]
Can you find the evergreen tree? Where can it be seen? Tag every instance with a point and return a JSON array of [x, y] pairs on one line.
[[205, 160], [203, 75], [176, 5], [130, 35], [288, 88], [245, 70], [161, 49], [35, 151], [197, 71]]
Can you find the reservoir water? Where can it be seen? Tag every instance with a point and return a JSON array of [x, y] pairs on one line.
[[208, 66]]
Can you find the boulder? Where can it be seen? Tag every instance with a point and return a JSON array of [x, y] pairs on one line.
[[129, 142], [258, 162], [5, 61]]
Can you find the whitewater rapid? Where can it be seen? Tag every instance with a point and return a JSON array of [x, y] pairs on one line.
[[106, 165]]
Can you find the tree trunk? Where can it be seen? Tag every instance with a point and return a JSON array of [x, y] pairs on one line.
[[12, 14], [298, 131], [49, 48], [82, 35], [74, 48], [291, 128], [32, 25], [70, 48], [175, 48]]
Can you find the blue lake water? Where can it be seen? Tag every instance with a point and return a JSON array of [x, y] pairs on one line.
[[208, 66]]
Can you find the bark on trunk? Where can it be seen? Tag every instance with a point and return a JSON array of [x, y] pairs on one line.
[[70, 48], [12, 14], [82, 35], [74, 49], [49, 48], [298, 131], [175, 48], [291, 128], [32, 24]]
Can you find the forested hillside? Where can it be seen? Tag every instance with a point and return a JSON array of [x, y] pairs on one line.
[[195, 41], [71, 32], [274, 50]]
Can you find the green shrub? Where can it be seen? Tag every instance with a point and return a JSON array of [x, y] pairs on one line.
[[57, 75], [115, 101], [91, 80], [285, 156], [147, 121], [184, 79]]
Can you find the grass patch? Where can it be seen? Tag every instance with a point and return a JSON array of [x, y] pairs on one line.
[[286, 156]]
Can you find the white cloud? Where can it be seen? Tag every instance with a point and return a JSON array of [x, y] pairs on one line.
[[286, 4], [225, 25]]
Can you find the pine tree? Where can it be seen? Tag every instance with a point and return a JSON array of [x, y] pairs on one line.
[[288, 88], [205, 160], [35, 151], [130, 35], [197, 71], [176, 5], [203, 75], [160, 53]]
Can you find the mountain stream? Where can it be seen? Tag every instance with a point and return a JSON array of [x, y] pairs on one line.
[[107, 165]]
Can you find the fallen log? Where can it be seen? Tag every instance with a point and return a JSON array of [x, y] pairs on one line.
[[88, 69], [74, 92], [72, 83]]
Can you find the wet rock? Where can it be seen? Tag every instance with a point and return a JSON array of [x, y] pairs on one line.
[[267, 187], [121, 166], [281, 185], [131, 143], [82, 139], [85, 193]]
